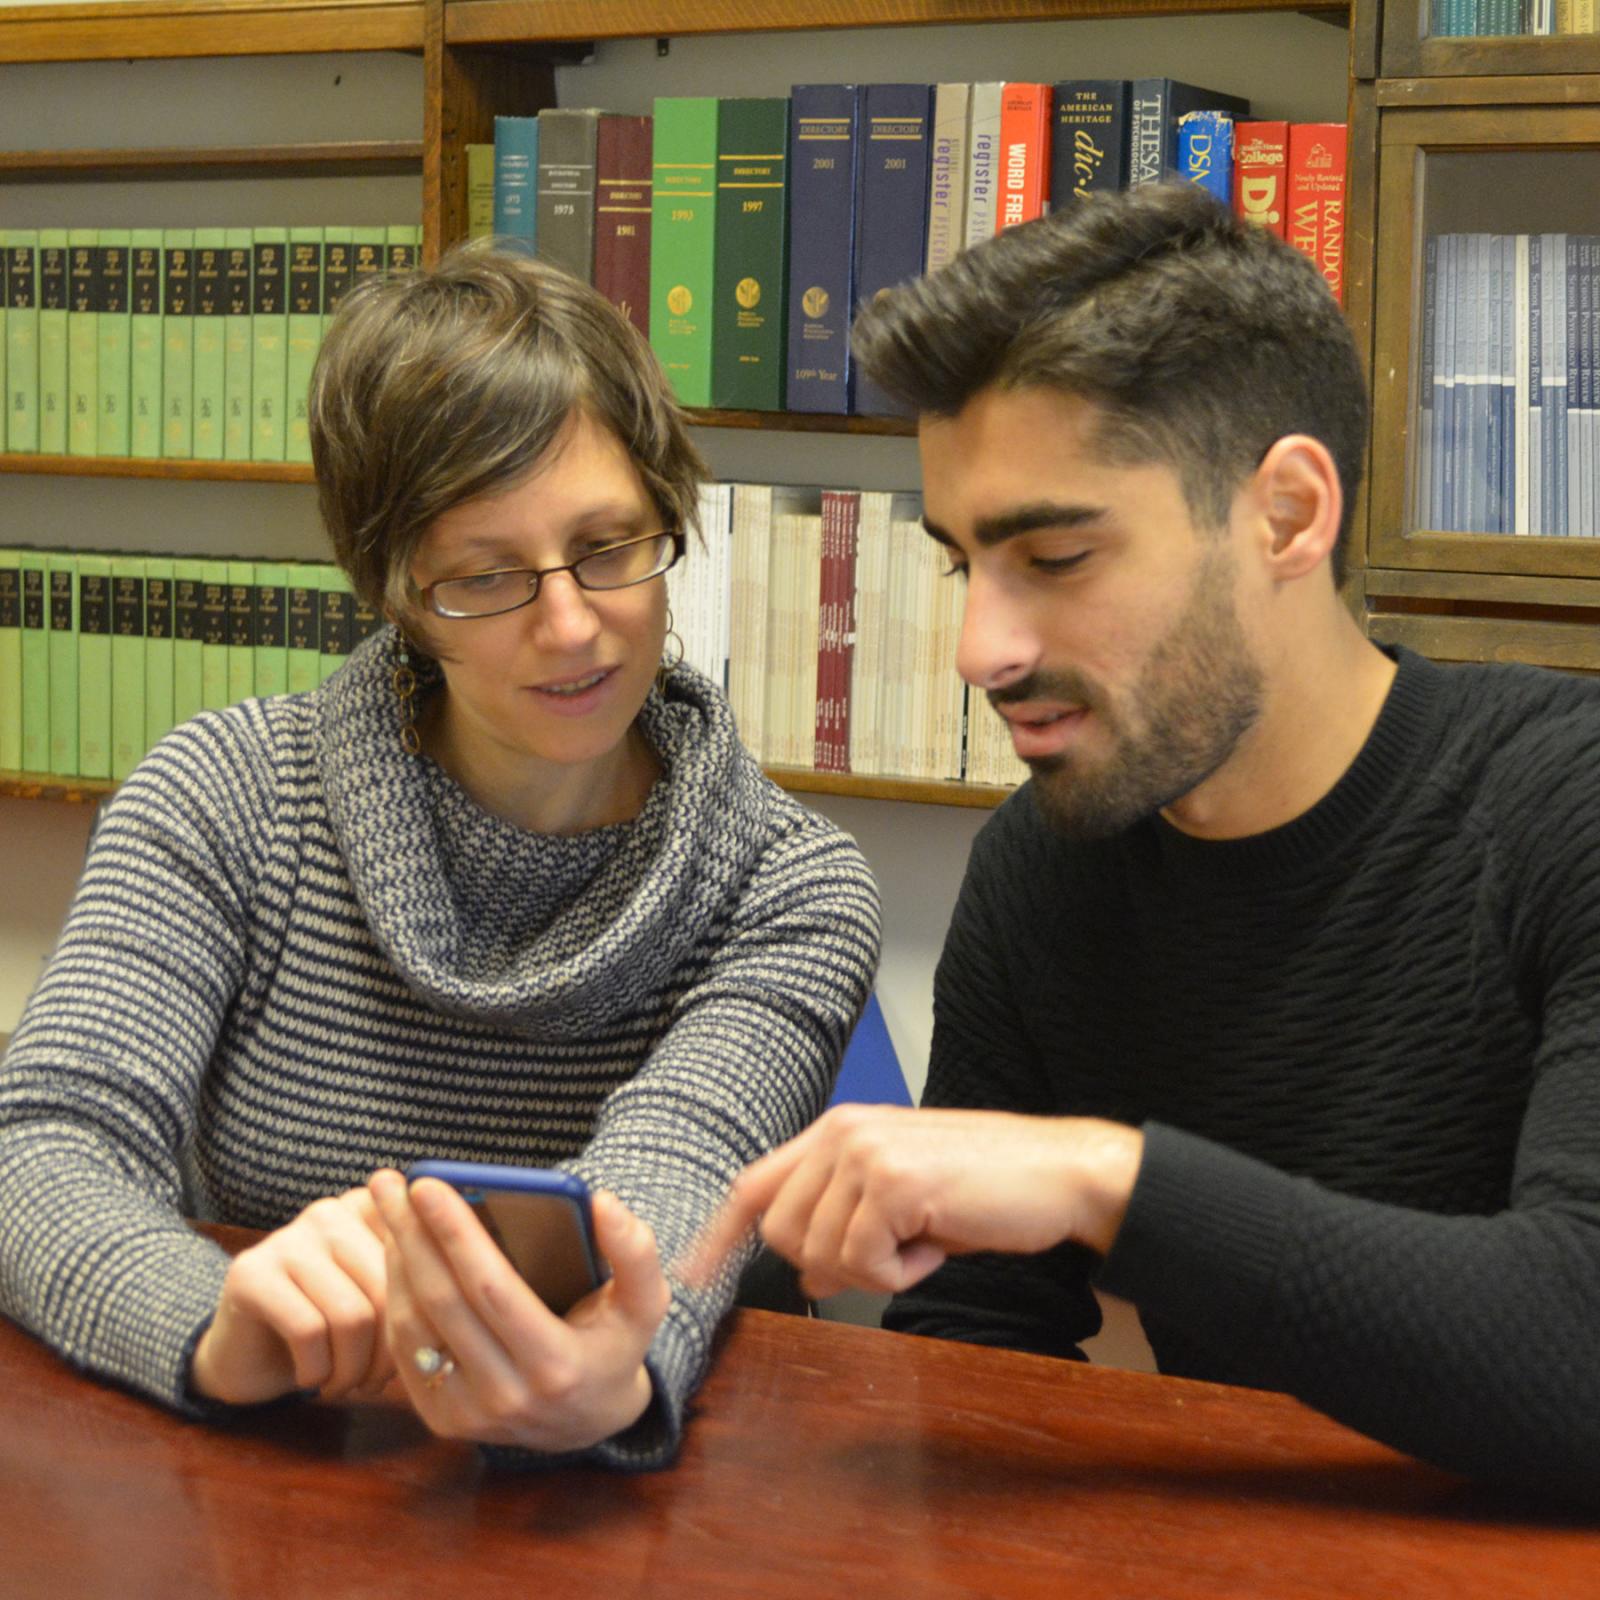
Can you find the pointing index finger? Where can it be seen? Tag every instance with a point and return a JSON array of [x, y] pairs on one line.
[[752, 1192]]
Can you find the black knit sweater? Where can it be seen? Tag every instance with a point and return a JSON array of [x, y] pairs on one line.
[[1365, 1051]]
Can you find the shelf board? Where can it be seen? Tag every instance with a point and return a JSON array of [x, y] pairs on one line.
[[42, 786], [128, 30], [521, 21], [159, 467], [356, 158], [801, 422]]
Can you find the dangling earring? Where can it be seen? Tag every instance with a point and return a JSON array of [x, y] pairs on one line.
[[405, 690], [669, 659]]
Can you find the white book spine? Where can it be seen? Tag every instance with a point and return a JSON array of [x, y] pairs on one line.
[[983, 162], [947, 188]]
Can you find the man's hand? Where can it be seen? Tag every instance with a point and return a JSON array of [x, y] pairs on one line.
[[301, 1309], [876, 1197], [521, 1374]]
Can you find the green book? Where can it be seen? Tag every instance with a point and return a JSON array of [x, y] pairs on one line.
[[4, 386], [62, 587], [402, 246], [333, 618], [338, 268], [83, 342], [210, 330], [365, 621], [35, 661], [269, 346], [115, 352], [21, 357], [237, 341], [749, 327], [270, 632], [368, 260], [144, 344], [683, 226], [177, 343], [480, 191], [214, 635], [158, 648], [304, 336], [94, 667], [53, 401], [241, 631], [10, 661], [302, 606], [127, 664], [188, 640]]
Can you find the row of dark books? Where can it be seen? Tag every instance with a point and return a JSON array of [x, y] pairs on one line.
[[190, 343], [1457, 19], [1508, 385]]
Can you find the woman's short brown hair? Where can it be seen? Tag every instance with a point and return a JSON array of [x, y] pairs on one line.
[[436, 386]]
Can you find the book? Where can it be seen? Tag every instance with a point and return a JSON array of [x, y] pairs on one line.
[[368, 255], [824, 134], [333, 619], [480, 191], [213, 635], [302, 604], [1205, 153], [144, 342], [1089, 139], [338, 270], [269, 333], [62, 622], [1155, 106], [565, 193], [402, 246], [241, 631], [865, 738], [35, 580], [983, 162], [622, 216], [209, 394], [188, 639], [128, 721], [1261, 174], [683, 240], [238, 344], [304, 337], [114, 368], [19, 428], [752, 255], [750, 566], [11, 661], [54, 404], [4, 387], [1025, 145], [159, 636], [269, 629], [1317, 197], [1534, 430], [177, 342], [947, 175], [516, 177], [837, 628], [83, 343], [365, 620], [892, 204]]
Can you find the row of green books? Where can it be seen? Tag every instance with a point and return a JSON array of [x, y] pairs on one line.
[[188, 343], [102, 653]]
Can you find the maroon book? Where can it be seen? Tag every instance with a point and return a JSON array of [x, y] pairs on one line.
[[622, 216]]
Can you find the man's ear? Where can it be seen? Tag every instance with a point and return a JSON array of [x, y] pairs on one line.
[[1300, 501]]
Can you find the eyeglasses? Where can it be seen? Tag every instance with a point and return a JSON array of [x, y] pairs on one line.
[[617, 566]]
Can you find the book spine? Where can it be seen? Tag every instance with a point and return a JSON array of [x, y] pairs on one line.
[[238, 343], [683, 224], [54, 402], [1147, 124], [269, 629], [480, 191], [1446, 457], [983, 162], [402, 246], [338, 271], [747, 655], [214, 635], [1511, 424], [824, 667], [1205, 153], [35, 580], [751, 316], [302, 602], [188, 639], [1089, 153], [947, 175], [1534, 339], [269, 334], [824, 144], [5, 386], [241, 631], [1427, 380], [159, 635], [565, 197], [365, 620], [144, 343], [869, 604], [10, 661], [622, 216], [304, 336], [1316, 197], [1024, 152], [1491, 287], [892, 225], [177, 342], [1261, 174], [63, 574], [808, 619], [209, 391], [114, 355], [333, 619], [516, 175], [83, 342], [1572, 394], [19, 426], [127, 664], [847, 537]]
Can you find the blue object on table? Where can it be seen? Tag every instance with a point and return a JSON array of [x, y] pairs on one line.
[[871, 1071]]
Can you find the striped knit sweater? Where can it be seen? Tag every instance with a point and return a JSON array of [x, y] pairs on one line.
[[298, 954]]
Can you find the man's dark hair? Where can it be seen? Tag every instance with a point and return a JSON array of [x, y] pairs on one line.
[[1201, 338]]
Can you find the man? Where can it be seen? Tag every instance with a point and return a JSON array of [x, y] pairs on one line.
[[1272, 1002]]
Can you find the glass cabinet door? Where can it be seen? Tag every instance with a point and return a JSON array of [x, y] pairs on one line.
[[1475, 38]]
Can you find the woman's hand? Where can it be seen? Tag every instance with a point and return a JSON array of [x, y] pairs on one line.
[[302, 1309], [521, 1375]]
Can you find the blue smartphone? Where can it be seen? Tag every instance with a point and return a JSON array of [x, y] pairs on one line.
[[541, 1219]]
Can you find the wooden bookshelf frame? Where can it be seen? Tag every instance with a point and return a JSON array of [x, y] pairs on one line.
[[352, 159]]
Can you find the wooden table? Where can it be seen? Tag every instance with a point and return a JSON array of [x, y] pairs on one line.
[[824, 1460]]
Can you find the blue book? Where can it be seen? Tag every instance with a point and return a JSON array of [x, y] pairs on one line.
[[1445, 456], [1486, 507], [1089, 139], [516, 180], [1427, 383], [1205, 152], [1472, 482], [1510, 423], [824, 145], [892, 203], [1535, 422], [1566, 467], [1154, 109]]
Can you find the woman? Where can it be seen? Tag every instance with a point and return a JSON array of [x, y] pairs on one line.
[[505, 888]]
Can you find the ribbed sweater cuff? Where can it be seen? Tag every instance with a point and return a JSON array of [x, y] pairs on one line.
[[1203, 1237]]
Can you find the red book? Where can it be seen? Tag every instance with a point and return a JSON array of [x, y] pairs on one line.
[[1316, 197], [1261, 174], [622, 216], [1024, 154]]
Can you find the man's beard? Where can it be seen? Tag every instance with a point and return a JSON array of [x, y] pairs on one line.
[[1199, 694]]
